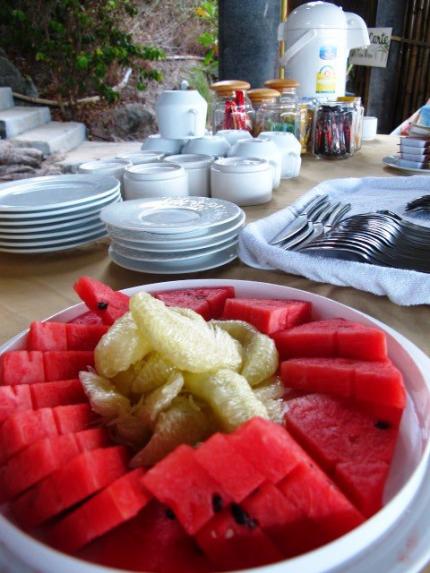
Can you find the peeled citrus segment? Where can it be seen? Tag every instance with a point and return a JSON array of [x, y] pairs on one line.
[[151, 372], [103, 396], [271, 393], [229, 395], [130, 429], [259, 356], [188, 343], [160, 399], [184, 422], [122, 345]]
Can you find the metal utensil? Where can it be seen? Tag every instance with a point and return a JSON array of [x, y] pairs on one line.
[[300, 221]]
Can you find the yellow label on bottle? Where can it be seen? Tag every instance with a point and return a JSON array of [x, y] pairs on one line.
[[326, 80]]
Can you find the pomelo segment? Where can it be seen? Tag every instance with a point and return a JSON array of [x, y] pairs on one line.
[[101, 299]]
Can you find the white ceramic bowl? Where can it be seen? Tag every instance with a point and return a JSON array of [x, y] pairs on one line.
[[233, 135], [263, 149], [158, 179], [213, 145], [141, 157], [242, 180], [395, 540], [197, 167], [162, 144], [290, 149]]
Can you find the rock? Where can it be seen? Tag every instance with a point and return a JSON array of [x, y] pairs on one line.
[[11, 77], [131, 121]]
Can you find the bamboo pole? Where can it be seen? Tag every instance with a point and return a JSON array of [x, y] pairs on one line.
[[283, 17]]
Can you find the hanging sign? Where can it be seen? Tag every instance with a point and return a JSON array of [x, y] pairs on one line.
[[376, 54]]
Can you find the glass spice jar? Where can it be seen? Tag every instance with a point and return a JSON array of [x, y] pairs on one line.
[[260, 98], [333, 130], [232, 109], [358, 117], [284, 113]]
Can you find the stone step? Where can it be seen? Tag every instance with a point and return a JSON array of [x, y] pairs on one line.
[[6, 98], [54, 137], [15, 120]]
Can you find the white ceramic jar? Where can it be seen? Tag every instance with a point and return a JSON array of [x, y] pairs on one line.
[[198, 171], [262, 149], [234, 135], [241, 180], [290, 148], [141, 157], [214, 145], [161, 179], [162, 145], [181, 114]]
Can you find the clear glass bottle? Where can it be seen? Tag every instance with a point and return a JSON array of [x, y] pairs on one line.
[[261, 98], [307, 107], [333, 130], [358, 117], [284, 113], [232, 108]]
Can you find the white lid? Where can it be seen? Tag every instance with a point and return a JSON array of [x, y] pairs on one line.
[[316, 15], [241, 165], [191, 160], [105, 165], [154, 171], [140, 156]]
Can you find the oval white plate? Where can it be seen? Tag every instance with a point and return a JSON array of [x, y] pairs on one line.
[[54, 192], [171, 215], [395, 540], [391, 161]]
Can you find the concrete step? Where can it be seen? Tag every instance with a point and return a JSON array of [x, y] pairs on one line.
[[15, 120], [54, 137], [6, 98]]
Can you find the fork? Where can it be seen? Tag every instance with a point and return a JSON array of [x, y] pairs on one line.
[[300, 222]]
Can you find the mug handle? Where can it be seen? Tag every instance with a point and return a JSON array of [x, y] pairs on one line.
[[193, 112]]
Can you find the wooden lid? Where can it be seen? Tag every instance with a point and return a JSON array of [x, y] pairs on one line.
[[263, 94], [227, 87], [281, 84], [348, 98]]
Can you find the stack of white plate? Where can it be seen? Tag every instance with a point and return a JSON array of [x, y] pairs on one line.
[[56, 213], [172, 235]]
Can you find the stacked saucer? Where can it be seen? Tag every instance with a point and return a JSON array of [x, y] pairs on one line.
[[55, 213], [172, 235]]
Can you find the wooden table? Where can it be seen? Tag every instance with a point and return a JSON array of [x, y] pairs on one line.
[[33, 287]]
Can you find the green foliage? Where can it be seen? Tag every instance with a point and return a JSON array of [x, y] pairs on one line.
[[78, 45]]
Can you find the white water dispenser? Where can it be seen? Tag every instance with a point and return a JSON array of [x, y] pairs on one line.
[[318, 37]]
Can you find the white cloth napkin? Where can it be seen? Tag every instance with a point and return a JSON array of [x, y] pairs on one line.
[[403, 287]]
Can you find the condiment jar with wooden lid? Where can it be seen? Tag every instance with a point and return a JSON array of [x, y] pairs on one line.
[[260, 97], [232, 108], [357, 119]]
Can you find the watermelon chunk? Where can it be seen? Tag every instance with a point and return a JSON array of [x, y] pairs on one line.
[[117, 503], [84, 475], [233, 540], [66, 364], [332, 338], [366, 382], [88, 318], [101, 299], [47, 336], [238, 477], [268, 447], [41, 458], [338, 435], [181, 483], [268, 315], [209, 302], [21, 367], [14, 399], [58, 393], [83, 336], [151, 541]]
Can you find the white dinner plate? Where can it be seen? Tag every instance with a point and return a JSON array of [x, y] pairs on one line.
[[172, 215], [395, 540], [48, 229], [60, 215], [54, 192], [202, 263], [392, 161], [64, 245], [174, 243], [32, 241]]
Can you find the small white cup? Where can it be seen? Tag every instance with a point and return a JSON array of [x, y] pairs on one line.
[[214, 145], [162, 144], [113, 167], [161, 179], [233, 135], [370, 127], [290, 149], [198, 171], [263, 149], [141, 157], [242, 181]]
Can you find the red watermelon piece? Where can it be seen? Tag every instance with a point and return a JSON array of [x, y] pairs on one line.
[[43, 457], [84, 336], [21, 367], [101, 299], [181, 483], [268, 315], [14, 399], [332, 338], [238, 477], [83, 476], [87, 318], [375, 383], [58, 393], [117, 503], [337, 434], [152, 541], [66, 364], [209, 302], [47, 336]]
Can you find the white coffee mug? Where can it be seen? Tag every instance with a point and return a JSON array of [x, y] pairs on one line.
[[181, 114], [263, 149], [160, 179]]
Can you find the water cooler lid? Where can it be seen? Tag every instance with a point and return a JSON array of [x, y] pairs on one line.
[[316, 15]]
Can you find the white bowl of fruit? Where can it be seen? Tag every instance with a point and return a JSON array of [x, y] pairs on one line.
[[217, 426]]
